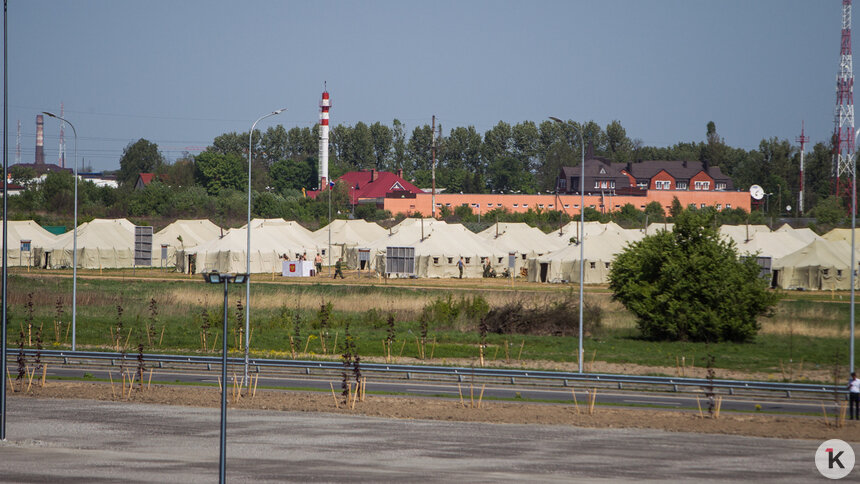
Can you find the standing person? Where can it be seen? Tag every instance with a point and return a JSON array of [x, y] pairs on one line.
[[460, 265], [337, 268], [318, 263], [854, 396]]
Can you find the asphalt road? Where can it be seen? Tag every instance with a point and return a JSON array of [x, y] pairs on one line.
[[91, 441], [437, 388]]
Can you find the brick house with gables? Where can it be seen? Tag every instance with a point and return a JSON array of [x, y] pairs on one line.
[[637, 178]]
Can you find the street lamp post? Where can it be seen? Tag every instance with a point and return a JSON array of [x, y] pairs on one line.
[[216, 278], [74, 234], [581, 238], [248, 248], [853, 262]]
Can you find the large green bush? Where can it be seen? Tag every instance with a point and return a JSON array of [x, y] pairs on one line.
[[690, 285]]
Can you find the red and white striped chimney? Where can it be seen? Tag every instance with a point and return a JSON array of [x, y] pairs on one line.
[[325, 104]]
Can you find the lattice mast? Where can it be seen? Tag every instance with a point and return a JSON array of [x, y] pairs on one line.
[[61, 160], [802, 139], [18, 145], [843, 131]]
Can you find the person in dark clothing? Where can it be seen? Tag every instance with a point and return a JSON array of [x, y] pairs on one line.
[[460, 265], [854, 397], [337, 268]]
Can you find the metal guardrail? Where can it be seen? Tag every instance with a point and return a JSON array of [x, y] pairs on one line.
[[566, 378]]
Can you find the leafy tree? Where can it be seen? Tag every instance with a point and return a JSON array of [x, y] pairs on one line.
[[215, 172], [292, 175], [829, 211], [142, 156], [382, 140], [22, 175], [690, 285], [181, 172], [58, 189]]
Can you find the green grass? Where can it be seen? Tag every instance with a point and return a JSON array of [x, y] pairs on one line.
[[794, 334]]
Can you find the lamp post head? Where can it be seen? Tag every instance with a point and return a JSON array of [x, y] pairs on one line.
[[46, 113], [556, 119], [279, 111]]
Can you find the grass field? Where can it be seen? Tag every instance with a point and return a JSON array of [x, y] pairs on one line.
[[808, 327]]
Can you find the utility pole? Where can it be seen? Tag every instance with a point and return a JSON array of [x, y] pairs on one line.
[[433, 169]]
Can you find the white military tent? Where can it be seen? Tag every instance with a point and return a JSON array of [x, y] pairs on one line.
[[820, 265], [520, 239], [600, 251], [772, 244], [25, 230], [227, 254], [181, 235], [346, 233], [102, 244], [438, 247]]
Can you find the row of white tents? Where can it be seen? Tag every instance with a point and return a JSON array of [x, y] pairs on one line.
[[798, 258]]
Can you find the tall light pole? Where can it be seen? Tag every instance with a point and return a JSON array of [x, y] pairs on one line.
[[74, 233], [216, 278], [248, 249], [581, 234], [853, 229], [5, 231]]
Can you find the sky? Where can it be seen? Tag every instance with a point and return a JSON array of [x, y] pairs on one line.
[[180, 73]]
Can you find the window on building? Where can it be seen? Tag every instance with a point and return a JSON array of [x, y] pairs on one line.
[[562, 184], [566, 205], [611, 183], [662, 185], [702, 206], [603, 184], [591, 206], [596, 184], [593, 265], [681, 185], [525, 205], [516, 205], [728, 206], [703, 185], [720, 186], [719, 206], [450, 260], [468, 259], [551, 205], [540, 205], [435, 260], [606, 264]]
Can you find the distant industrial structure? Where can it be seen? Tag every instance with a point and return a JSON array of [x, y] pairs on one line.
[[325, 105], [40, 140], [61, 157], [802, 139], [843, 130]]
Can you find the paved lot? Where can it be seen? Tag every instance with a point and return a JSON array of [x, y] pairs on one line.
[[89, 441]]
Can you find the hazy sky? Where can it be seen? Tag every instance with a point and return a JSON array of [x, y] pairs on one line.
[[179, 73]]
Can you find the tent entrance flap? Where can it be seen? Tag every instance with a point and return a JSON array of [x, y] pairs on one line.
[[544, 269]]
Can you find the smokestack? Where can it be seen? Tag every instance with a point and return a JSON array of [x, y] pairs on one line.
[[325, 104], [40, 140]]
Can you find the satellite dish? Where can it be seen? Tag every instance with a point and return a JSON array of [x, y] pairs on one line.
[[788, 208], [756, 192]]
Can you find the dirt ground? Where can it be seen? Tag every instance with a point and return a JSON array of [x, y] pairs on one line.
[[470, 410]]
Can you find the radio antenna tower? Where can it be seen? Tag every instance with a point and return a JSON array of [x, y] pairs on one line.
[[18, 145], [62, 156], [843, 130], [802, 139]]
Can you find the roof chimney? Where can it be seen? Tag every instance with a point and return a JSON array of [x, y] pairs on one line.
[[400, 173], [373, 175]]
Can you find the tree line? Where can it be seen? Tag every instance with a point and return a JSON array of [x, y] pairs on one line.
[[520, 158]]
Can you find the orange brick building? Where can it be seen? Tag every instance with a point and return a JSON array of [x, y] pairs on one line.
[[605, 203]]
